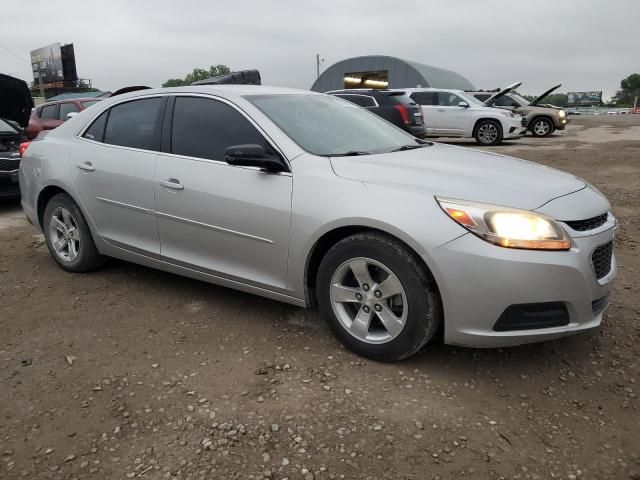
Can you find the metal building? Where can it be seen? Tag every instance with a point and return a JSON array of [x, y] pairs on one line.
[[381, 71]]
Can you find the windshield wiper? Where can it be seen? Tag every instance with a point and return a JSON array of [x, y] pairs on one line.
[[351, 153], [410, 147]]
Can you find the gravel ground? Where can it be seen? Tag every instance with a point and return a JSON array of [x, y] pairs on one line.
[[133, 373]]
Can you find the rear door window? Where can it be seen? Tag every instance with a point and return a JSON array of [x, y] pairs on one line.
[[96, 130], [50, 112], [135, 124], [425, 98], [204, 128], [66, 108]]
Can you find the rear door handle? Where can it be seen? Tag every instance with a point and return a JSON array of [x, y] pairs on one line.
[[173, 183], [86, 166]]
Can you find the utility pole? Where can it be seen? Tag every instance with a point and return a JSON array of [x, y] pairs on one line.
[[318, 62], [40, 81]]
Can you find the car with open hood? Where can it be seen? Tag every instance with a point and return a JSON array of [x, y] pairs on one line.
[[454, 113], [15, 107], [542, 120], [312, 200]]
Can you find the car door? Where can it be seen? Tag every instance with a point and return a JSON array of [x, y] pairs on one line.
[[451, 118], [428, 101], [224, 220], [112, 167]]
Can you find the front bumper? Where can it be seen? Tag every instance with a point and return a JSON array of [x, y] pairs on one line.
[[561, 123], [513, 127], [478, 281]]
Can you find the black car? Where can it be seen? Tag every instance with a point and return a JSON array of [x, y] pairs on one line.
[[15, 109], [394, 106]]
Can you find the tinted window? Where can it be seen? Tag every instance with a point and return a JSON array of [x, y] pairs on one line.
[[67, 108], [482, 96], [446, 99], [133, 124], [204, 128], [50, 112], [96, 130], [89, 103], [425, 98], [362, 100]]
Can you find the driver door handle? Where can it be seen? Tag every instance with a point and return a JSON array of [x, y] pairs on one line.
[[86, 166], [173, 183]]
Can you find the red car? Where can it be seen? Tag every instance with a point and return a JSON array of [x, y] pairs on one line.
[[53, 114]]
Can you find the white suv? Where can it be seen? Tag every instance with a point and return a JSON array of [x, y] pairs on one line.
[[453, 113]]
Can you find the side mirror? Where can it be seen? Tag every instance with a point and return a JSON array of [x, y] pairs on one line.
[[252, 155], [463, 104], [71, 115]]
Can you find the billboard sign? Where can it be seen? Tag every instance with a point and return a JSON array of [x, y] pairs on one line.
[[584, 98], [46, 63]]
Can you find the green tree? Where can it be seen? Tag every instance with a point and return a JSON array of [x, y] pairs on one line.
[[629, 90], [555, 99], [197, 74]]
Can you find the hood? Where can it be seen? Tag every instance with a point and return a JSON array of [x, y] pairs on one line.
[[15, 100], [535, 101], [461, 173], [502, 92]]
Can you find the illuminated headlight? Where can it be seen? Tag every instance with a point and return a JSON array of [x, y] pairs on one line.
[[562, 114], [507, 227]]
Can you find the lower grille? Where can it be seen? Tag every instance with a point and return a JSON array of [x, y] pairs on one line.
[[9, 164], [588, 224], [524, 121], [601, 260], [597, 306], [530, 316]]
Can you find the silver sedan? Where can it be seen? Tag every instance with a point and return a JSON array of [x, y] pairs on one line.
[[312, 200]]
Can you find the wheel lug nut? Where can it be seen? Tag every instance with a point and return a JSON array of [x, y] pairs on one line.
[[365, 287], [378, 308], [378, 293], [358, 296], [366, 309]]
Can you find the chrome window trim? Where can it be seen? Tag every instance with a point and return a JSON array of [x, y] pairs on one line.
[[80, 134]]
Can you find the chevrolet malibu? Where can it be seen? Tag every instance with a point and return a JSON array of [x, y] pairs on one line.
[[311, 200]]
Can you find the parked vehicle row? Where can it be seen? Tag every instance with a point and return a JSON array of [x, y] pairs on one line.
[[309, 199], [53, 114]]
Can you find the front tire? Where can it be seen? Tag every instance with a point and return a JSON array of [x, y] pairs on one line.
[[542, 127], [68, 236], [488, 132], [378, 299]]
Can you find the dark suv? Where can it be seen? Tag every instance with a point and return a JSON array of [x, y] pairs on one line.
[[394, 106]]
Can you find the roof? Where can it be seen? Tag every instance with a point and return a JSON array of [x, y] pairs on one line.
[[441, 78], [73, 96], [222, 90]]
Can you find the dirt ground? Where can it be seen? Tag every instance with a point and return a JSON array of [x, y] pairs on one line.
[[133, 373]]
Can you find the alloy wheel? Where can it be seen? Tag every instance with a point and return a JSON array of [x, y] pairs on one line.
[[488, 133], [541, 128], [64, 234], [368, 300]]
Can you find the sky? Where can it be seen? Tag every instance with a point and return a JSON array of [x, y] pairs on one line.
[[583, 44]]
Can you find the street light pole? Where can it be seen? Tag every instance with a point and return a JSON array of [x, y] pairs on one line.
[[318, 61]]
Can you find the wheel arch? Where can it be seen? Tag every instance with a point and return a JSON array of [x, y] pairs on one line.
[[482, 119], [331, 237], [538, 116]]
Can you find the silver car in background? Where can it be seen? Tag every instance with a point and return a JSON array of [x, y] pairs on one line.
[[309, 199]]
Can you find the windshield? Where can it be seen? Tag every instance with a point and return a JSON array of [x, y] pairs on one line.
[[470, 98], [328, 126], [519, 99]]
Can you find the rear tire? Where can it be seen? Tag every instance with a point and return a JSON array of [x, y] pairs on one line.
[[541, 127], [488, 132], [378, 299], [68, 236]]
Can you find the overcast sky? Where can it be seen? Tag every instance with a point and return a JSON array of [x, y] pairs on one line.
[[583, 44]]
